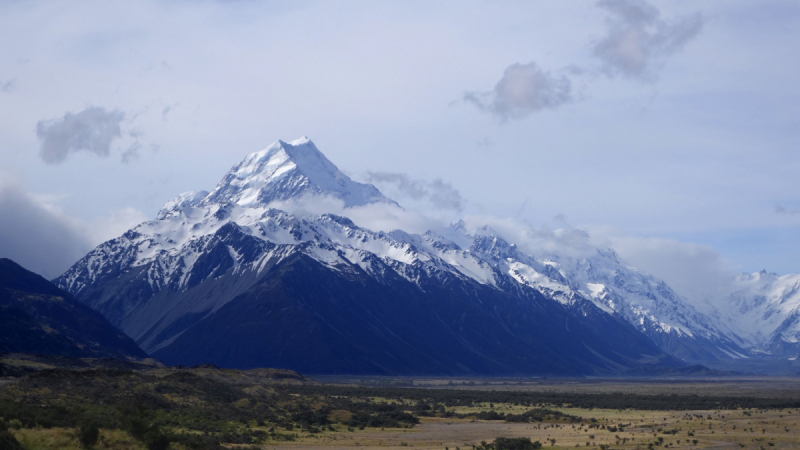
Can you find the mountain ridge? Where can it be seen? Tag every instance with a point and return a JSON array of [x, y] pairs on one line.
[[38, 317], [204, 250]]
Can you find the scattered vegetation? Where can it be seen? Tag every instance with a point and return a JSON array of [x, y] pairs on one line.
[[210, 408], [504, 443], [195, 411], [643, 402], [7, 439]]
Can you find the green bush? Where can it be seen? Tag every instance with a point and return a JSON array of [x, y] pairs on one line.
[[504, 443], [156, 441], [8, 441], [88, 434], [534, 415]]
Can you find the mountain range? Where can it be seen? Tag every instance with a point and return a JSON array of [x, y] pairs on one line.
[[244, 276], [37, 317]]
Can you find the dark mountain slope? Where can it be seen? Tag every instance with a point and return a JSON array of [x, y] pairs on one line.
[[313, 319], [38, 317], [233, 278]]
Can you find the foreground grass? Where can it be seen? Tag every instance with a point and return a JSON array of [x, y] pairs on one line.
[[209, 408], [600, 428], [67, 439]]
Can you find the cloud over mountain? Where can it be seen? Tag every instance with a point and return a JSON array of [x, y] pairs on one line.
[[438, 192], [37, 236]]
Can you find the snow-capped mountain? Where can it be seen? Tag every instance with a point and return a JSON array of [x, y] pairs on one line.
[[602, 277], [763, 312], [284, 171], [227, 273]]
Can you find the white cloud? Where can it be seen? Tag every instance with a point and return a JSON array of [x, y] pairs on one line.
[[638, 40], [541, 241], [441, 194], [93, 130], [696, 271], [523, 90], [375, 216], [636, 43]]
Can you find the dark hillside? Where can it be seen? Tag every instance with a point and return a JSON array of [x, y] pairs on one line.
[[37, 317]]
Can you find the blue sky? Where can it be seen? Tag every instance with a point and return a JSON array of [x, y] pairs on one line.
[[676, 121]]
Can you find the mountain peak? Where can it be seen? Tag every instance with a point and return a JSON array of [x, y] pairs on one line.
[[287, 170], [183, 200]]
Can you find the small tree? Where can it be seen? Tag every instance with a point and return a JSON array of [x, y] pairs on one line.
[[7, 439], [157, 441], [88, 434]]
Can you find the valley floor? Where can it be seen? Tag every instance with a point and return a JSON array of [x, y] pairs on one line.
[[780, 431], [678, 430], [740, 386], [45, 404]]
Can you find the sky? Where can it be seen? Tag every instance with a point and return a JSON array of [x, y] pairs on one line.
[[668, 129]]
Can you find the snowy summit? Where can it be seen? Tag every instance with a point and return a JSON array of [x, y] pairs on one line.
[[287, 170]]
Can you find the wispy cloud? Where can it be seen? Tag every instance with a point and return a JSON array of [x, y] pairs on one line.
[[638, 40], [523, 90], [440, 193], [94, 130], [636, 44], [8, 86], [780, 209], [168, 109], [378, 216], [696, 271]]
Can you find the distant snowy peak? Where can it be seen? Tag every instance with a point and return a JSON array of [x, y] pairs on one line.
[[760, 279], [764, 310], [288, 170]]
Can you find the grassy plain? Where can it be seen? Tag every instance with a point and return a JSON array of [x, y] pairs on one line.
[[731, 430], [725, 429], [739, 428], [159, 408]]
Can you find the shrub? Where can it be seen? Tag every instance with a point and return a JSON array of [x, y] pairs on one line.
[[521, 443], [8, 441], [157, 441], [88, 433]]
